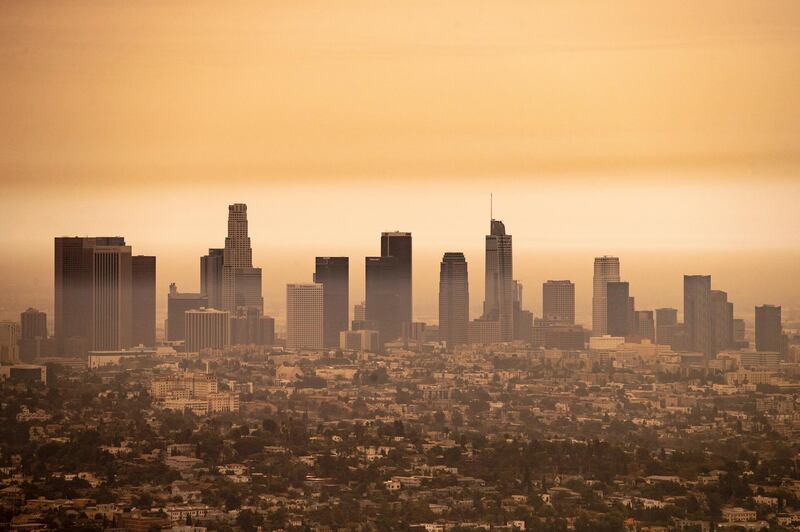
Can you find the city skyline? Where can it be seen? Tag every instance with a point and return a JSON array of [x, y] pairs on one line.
[[257, 269], [428, 312]]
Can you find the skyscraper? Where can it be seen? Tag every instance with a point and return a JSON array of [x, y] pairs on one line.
[[177, 305], [241, 283], [558, 302], [388, 285], [211, 276], [606, 270], [143, 278], [453, 299], [498, 303], [769, 331], [33, 341], [666, 323], [112, 297], [86, 268], [398, 245], [33, 324], [381, 296], [645, 325], [721, 315], [617, 314], [697, 314], [333, 273], [9, 342], [206, 329], [304, 316]]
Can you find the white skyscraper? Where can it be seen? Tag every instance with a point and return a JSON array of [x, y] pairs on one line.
[[499, 302], [606, 270], [304, 316], [241, 283]]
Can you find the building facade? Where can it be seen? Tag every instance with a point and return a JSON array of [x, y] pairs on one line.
[[498, 302], [241, 282], [304, 316], [558, 302], [333, 273], [453, 300], [606, 270], [697, 313], [177, 305], [207, 328], [769, 331], [211, 276]]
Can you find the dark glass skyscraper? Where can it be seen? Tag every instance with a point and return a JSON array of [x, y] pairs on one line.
[[33, 324], [696, 313], [769, 331], [721, 315], [382, 299], [398, 245], [211, 276], [666, 323], [388, 285], [143, 297], [453, 299], [333, 273], [618, 309], [93, 294]]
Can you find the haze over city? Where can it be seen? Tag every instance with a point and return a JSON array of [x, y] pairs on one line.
[[426, 266]]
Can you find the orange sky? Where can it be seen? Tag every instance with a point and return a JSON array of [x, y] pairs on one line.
[[602, 127]]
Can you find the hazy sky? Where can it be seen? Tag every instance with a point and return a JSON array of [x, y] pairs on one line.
[[667, 132]]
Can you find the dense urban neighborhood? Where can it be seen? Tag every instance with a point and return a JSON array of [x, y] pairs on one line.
[[501, 437]]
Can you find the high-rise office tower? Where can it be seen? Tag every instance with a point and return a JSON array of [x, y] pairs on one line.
[[33, 341], [388, 286], [206, 329], [498, 303], [267, 336], [246, 326], [360, 312], [697, 313], [381, 296], [304, 316], [666, 322], [211, 276], [618, 309], [721, 315], [769, 331], [143, 297], [33, 324], [645, 325], [606, 270], [398, 244], [333, 273], [112, 292], [93, 288], [739, 333], [9, 342], [241, 283], [177, 305], [453, 299], [558, 302]]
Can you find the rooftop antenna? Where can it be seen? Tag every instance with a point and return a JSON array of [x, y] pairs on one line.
[[491, 213]]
